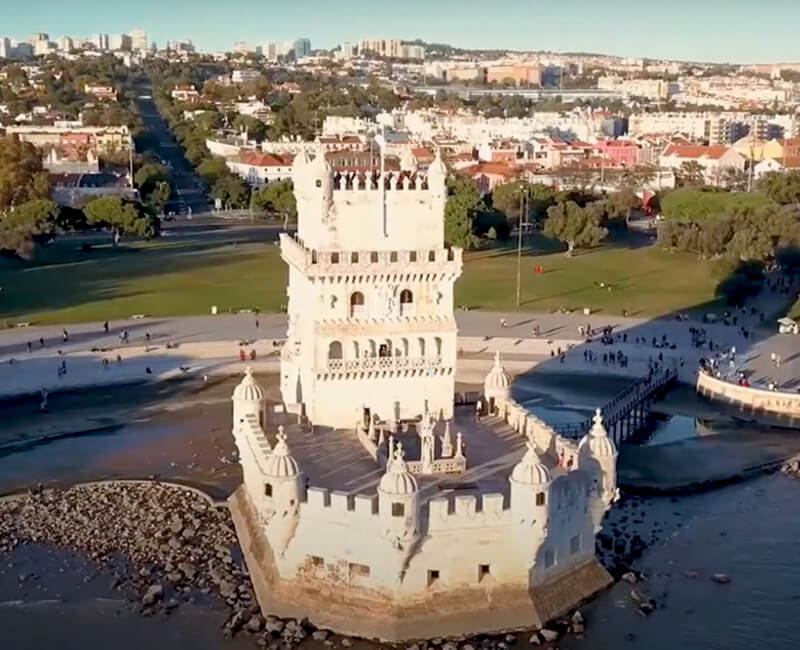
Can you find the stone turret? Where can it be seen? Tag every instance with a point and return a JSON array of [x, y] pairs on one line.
[[497, 385], [249, 399], [530, 481], [597, 456], [284, 489]]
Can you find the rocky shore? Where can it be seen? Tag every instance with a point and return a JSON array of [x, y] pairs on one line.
[[166, 545]]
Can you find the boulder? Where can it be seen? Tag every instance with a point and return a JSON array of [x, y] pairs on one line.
[[254, 624], [721, 578], [630, 577], [153, 593], [549, 635], [320, 635]]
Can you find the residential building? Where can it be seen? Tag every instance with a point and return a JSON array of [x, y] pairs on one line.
[[391, 48], [242, 47], [184, 46], [66, 44], [6, 51], [768, 165], [657, 89], [139, 39], [100, 41], [101, 91], [521, 75], [618, 153], [261, 168], [715, 160], [102, 139], [185, 93], [488, 175], [348, 50], [243, 76]]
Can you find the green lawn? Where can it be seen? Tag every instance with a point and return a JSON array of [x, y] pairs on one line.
[[168, 279], [155, 279], [644, 281]]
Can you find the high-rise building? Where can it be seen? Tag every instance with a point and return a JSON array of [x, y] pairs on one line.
[[5, 48], [242, 47], [185, 45], [391, 48], [301, 47], [118, 42], [100, 41], [349, 50], [66, 44], [138, 39]]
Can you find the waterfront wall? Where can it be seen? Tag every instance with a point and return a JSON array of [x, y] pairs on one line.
[[748, 397]]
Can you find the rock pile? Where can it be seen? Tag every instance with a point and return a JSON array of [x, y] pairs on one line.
[[165, 543], [792, 468]]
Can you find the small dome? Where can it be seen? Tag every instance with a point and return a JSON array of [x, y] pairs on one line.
[[530, 470], [397, 480], [280, 463], [497, 379], [248, 389], [408, 163], [596, 443], [301, 161]]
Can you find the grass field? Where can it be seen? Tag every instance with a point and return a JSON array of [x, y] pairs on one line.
[[172, 279]]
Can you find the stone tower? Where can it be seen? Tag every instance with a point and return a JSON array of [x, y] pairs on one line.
[[370, 296]]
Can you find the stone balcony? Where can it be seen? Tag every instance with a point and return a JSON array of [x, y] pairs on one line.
[[311, 262], [369, 364]]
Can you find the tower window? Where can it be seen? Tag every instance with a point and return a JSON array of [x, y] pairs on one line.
[[354, 257], [549, 559], [356, 303], [335, 350], [359, 570], [433, 577], [398, 509], [317, 561], [268, 489], [319, 182], [334, 258], [431, 256], [412, 256], [575, 544], [393, 256], [540, 498], [484, 570], [406, 297], [373, 257]]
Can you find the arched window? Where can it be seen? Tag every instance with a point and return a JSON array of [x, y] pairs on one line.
[[438, 343], [356, 303], [421, 346], [406, 302], [356, 350], [335, 350]]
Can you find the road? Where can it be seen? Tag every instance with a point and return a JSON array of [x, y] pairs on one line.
[[187, 184]]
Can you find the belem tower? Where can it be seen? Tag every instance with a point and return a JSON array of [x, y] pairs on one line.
[[369, 504]]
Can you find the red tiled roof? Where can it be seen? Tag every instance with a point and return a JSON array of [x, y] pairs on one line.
[[495, 168], [265, 159], [696, 151]]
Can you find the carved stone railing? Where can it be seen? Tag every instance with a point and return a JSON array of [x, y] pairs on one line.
[[382, 363], [313, 262]]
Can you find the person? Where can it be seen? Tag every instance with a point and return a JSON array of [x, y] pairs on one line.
[[257, 324], [503, 322], [105, 327], [478, 410], [43, 402], [119, 358], [64, 367], [252, 355], [64, 335], [30, 346], [148, 371], [147, 336], [41, 342], [242, 355]]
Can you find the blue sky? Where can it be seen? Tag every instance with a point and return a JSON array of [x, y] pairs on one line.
[[709, 30]]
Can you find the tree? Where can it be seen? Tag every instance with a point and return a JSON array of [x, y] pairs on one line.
[[734, 179], [576, 226], [232, 191], [276, 198], [158, 198], [121, 217], [211, 169], [508, 199], [255, 129], [690, 173], [781, 187], [149, 174], [463, 204], [22, 226], [22, 178]]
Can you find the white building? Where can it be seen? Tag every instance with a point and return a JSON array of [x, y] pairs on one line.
[[100, 41], [119, 42], [242, 76], [139, 39], [371, 350], [261, 168], [714, 160], [337, 364]]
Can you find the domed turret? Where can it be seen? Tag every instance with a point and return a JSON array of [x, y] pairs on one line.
[[497, 384], [408, 163], [437, 173], [398, 481], [281, 464], [597, 443], [248, 399], [301, 162], [249, 389], [530, 470]]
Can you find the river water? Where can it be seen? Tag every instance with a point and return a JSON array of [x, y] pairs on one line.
[[750, 531]]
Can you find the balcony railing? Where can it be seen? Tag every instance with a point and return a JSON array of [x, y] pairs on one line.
[[383, 363], [314, 262]]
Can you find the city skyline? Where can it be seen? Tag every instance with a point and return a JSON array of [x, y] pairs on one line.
[[626, 28]]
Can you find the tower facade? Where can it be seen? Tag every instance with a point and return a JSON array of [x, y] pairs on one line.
[[370, 296]]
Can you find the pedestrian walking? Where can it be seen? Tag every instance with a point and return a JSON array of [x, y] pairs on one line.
[[41, 342], [105, 327], [30, 346], [147, 336], [478, 410], [64, 335], [257, 324]]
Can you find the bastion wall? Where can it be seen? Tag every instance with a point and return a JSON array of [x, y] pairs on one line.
[[747, 397]]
